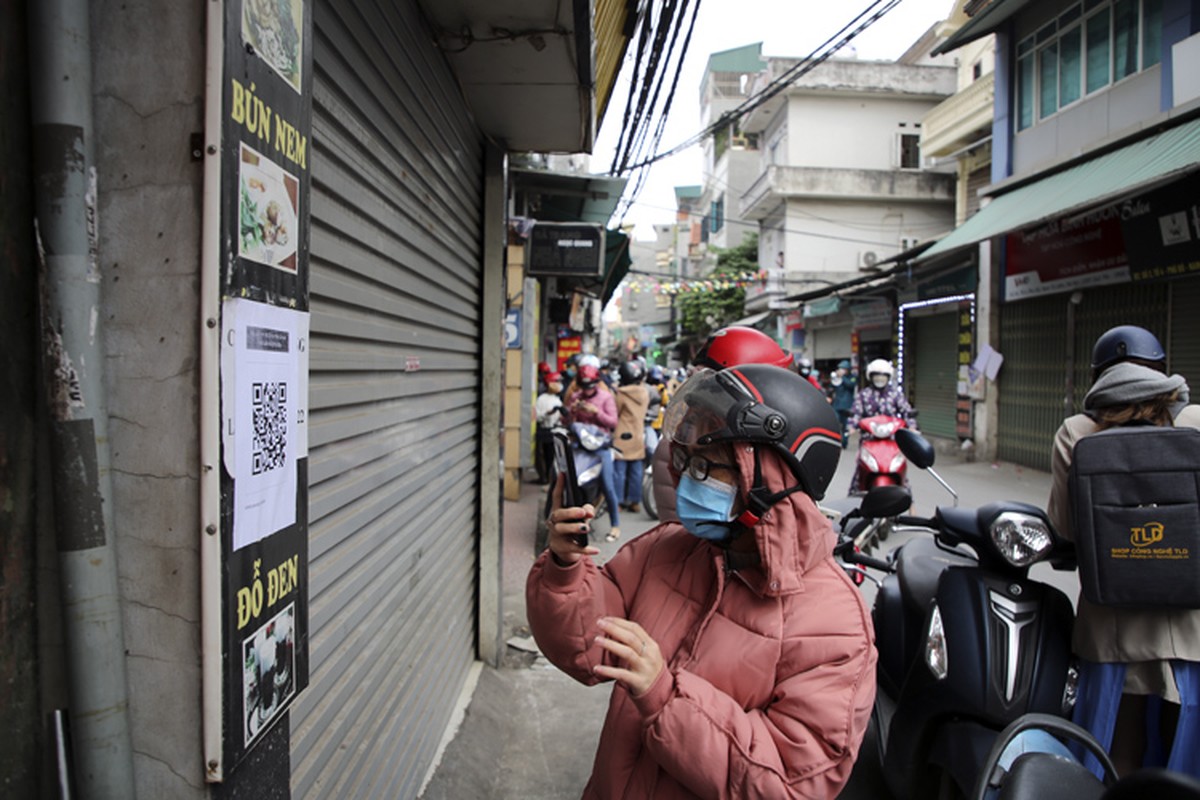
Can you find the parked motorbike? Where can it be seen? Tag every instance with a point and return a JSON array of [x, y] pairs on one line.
[[880, 461], [967, 642], [1030, 760]]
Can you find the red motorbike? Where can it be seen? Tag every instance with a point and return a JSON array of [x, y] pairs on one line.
[[880, 462]]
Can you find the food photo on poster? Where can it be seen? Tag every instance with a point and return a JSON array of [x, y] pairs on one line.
[[272, 28], [268, 210]]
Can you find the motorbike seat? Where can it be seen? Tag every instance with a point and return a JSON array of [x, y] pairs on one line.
[[919, 565]]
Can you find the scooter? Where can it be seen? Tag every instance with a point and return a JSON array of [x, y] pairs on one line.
[[967, 642], [880, 461]]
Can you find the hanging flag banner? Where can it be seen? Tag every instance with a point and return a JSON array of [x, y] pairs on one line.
[[265, 157], [741, 280]]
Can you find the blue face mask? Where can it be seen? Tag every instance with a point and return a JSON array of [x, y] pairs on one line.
[[705, 507]]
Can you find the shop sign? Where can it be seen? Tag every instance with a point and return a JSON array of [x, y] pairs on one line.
[[964, 280], [261, 611], [1162, 233], [565, 249], [1066, 254], [872, 314], [568, 346]]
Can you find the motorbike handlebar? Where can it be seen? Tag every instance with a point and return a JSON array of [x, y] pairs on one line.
[[922, 522], [867, 561]]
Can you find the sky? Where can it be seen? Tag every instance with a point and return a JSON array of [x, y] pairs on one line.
[[787, 28]]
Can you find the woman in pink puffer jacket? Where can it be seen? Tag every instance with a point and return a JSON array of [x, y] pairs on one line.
[[743, 653]]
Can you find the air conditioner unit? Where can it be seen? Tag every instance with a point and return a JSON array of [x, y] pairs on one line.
[[868, 259]]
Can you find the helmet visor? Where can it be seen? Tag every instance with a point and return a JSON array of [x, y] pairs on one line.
[[700, 412]]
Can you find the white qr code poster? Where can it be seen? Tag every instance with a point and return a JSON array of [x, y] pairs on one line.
[[264, 410]]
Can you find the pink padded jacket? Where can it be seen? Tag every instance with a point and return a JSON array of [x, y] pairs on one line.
[[770, 670]]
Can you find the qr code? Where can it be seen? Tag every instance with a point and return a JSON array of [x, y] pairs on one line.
[[270, 426]]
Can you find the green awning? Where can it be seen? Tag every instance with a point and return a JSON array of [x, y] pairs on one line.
[[1099, 181]]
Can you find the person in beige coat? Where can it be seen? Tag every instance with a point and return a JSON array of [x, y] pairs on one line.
[[629, 440], [1129, 385]]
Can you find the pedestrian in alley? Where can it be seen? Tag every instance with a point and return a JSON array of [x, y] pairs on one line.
[[842, 385], [548, 407], [742, 653], [629, 441], [1152, 647], [593, 404]]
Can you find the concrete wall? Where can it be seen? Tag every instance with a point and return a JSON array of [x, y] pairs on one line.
[[829, 237], [851, 131], [149, 96]]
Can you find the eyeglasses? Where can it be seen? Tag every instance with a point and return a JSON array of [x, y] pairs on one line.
[[697, 466]]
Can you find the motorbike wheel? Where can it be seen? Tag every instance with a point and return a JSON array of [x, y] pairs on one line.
[[648, 501]]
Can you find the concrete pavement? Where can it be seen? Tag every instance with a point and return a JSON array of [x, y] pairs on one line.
[[530, 732]]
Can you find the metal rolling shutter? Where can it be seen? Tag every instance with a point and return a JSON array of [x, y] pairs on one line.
[[1183, 347], [934, 359], [394, 402], [1033, 341]]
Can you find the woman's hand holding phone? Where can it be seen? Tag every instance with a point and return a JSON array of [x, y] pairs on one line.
[[569, 527]]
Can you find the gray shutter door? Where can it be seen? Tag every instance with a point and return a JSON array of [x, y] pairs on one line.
[[394, 400], [1183, 347], [934, 359], [1032, 382]]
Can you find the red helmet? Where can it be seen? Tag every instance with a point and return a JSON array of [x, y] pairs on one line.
[[589, 376], [737, 345]]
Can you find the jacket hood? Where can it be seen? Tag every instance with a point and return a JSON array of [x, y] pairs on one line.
[[793, 536]]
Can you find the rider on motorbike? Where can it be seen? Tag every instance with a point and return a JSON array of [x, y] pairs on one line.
[[878, 396]]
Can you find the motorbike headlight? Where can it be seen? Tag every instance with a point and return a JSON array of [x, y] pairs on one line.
[[897, 463], [1022, 539], [883, 430], [935, 645]]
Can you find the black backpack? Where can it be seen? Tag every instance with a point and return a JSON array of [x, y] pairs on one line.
[[1135, 498]]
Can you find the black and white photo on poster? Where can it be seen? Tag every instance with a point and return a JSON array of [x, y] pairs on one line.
[[269, 672]]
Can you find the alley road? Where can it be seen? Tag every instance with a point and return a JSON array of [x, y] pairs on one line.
[[531, 732]]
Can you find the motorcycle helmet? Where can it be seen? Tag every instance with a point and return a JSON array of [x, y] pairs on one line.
[[1126, 343], [736, 345], [589, 376], [631, 372], [763, 405], [804, 366], [844, 364], [655, 375], [880, 372], [589, 359]]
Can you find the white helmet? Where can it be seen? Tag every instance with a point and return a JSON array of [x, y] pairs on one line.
[[880, 373], [880, 365], [589, 359]]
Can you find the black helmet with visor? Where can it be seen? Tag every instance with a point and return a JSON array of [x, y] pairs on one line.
[[763, 405]]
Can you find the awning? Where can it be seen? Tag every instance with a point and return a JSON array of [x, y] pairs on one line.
[[985, 21], [1104, 179]]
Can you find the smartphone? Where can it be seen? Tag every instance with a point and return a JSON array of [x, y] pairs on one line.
[[564, 464]]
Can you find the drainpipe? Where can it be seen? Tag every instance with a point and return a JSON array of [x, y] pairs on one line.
[[1069, 382], [65, 201]]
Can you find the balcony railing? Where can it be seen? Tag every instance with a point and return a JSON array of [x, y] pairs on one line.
[[958, 120]]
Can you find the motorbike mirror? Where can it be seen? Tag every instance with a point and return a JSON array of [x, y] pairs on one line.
[[916, 448], [886, 501]]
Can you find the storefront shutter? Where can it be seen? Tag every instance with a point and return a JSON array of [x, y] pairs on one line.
[[1183, 347], [932, 356], [395, 403], [1032, 384]]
